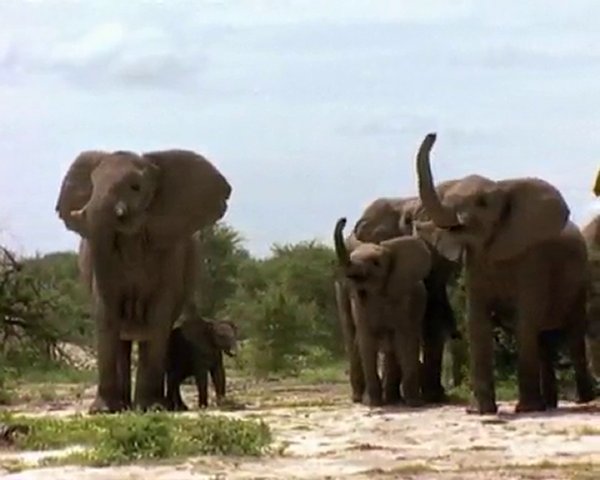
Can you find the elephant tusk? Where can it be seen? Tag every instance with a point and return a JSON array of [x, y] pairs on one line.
[[120, 209], [77, 214]]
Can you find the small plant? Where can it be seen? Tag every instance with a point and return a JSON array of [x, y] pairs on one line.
[[127, 438]]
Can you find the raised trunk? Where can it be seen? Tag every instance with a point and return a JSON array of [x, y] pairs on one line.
[[340, 246], [441, 216], [597, 185]]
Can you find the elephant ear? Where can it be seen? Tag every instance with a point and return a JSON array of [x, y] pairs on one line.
[[411, 262], [76, 189], [535, 211], [191, 194]]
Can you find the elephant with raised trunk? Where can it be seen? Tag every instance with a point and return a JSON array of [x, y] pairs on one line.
[[524, 259], [383, 311], [386, 218], [136, 215], [591, 233]]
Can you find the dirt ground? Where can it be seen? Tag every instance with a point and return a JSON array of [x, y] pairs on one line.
[[319, 434]]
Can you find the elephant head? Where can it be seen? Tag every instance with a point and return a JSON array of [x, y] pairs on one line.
[[387, 218], [392, 266], [210, 335], [501, 219], [166, 195]]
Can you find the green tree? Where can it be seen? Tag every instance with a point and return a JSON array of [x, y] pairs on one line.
[[278, 325], [221, 256]]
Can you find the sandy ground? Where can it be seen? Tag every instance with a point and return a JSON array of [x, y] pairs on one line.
[[319, 434]]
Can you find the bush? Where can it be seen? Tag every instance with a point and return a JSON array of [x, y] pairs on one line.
[[278, 325], [127, 438]]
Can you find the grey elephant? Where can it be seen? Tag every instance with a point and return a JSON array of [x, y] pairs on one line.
[[523, 260], [384, 311], [387, 218], [591, 233], [136, 215], [196, 348]]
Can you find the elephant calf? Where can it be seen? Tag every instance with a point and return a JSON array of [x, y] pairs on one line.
[[382, 312], [196, 348]]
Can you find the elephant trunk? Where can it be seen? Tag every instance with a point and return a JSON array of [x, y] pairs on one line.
[[441, 215], [341, 251], [597, 185]]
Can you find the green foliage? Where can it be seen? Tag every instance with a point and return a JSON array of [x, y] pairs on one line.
[[220, 260], [38, 308], [285, 307], [127, 438], [279, 327]]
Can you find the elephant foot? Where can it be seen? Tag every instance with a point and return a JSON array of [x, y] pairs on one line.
[[151, 405], [586, 397], [101, 406], [551, 402], [392, 396], [435, 396], [357, 398], [586, 391], [177, 407], [482, 408], [373, 401], [526, 406], [414, 402], [393, 400]]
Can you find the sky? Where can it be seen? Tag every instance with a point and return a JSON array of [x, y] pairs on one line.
[[310, 109]]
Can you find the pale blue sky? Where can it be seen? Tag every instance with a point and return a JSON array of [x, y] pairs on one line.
[[311, 109]]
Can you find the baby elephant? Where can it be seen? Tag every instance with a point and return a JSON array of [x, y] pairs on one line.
[[196, 348]]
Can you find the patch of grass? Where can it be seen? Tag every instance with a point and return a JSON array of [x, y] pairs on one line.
[[56, 374], [130, 437], [331, 373]]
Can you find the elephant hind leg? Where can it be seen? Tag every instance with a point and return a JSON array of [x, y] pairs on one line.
[[578, 353], [583, 378]]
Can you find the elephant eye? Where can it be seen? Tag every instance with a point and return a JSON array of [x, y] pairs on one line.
[[136, 187], [376, 262]]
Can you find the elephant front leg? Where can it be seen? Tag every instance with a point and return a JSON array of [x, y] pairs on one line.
[[433, 351], [149, 387], [481, 343], [548, 376], [392, 376], [357, 377], [368, 355], [407, 348], [109, 395], [217, 375], [201, 376], [528, 371], [124, 373]]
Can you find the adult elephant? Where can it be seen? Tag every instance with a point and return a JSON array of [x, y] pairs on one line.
[[591, 233], [136, 215], [386, 218], [522, 256], [384, 310]]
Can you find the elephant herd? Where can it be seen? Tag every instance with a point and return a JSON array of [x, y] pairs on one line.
[[526, 265]]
